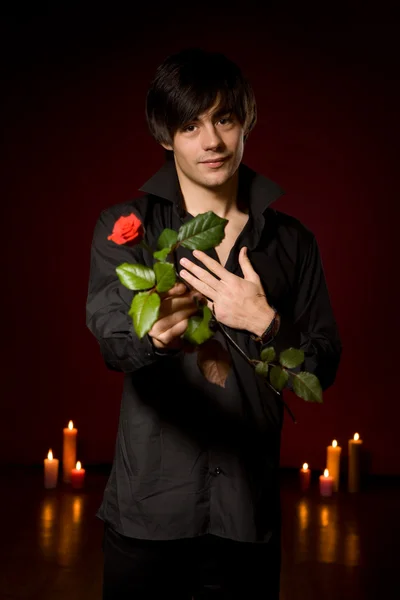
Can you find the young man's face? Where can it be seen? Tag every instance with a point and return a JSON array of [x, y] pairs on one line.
[[208, 150]]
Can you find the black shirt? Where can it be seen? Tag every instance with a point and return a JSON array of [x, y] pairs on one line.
[[191, 457]]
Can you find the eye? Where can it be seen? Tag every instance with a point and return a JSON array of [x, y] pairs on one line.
[[226, 120], [189, 128]]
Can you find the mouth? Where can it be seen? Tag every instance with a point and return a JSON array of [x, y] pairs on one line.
[[215, 163]]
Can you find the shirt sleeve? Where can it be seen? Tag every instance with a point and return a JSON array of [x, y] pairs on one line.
[[108, 302], [312, 327]]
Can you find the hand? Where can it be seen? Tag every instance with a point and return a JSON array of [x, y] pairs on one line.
[[237, 302], [177, 305]]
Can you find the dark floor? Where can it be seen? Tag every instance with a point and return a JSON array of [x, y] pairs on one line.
[[342, 547]]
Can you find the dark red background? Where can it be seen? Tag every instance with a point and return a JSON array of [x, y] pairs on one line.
[[76, 142]]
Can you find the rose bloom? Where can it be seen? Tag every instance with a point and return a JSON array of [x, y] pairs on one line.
[[127, 230]]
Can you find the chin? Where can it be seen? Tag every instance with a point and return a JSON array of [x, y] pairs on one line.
[[217, 179], [215, 184]]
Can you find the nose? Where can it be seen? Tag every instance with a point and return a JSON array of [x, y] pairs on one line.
[[211, 139]]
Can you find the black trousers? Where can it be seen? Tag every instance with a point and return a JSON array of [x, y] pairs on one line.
[[206, 567]]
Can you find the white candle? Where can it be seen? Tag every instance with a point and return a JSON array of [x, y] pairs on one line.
[[50, 471], [69, 451], [355, 446], [333, 453]]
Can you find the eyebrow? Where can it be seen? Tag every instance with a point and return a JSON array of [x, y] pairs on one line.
[[224, 110], [220, 112]]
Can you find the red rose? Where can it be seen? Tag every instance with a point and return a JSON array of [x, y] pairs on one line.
[[127, 230]]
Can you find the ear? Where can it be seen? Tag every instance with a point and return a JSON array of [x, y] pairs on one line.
[[166, 146]]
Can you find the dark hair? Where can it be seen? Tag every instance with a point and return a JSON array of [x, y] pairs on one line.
[[188, 83]]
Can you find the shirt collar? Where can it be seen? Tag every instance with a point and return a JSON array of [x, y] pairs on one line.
[[259, 191]]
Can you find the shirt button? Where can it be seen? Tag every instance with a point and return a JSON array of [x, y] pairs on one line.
[[217, 470]]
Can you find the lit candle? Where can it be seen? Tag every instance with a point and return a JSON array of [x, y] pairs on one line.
[[333, 463], [326, 484], [69, 450], [355, 446], [77, 476], [50, 471], [305, 476]]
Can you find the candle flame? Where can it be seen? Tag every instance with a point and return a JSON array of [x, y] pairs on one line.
[[326, 473], [356, 436], [305, 466], [50, 455], [78, 466], [70, 425], [334, 443]]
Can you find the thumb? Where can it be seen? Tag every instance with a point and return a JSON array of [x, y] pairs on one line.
[[247, 269]]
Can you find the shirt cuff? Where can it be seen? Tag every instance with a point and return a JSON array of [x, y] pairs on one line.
[[163, 351], [288, 336]]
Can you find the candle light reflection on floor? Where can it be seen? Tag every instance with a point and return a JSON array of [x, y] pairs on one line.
[[69, 542], [328, 534], [47, 525], [352, 548], [303, 536], [60, 530], [322, 535]]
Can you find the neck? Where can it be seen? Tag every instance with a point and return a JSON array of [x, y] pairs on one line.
[[222, 201]]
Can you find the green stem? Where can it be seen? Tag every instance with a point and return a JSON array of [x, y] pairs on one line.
[[146, 246], [252, 363], [246, 358]]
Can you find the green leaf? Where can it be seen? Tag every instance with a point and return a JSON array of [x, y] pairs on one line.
[[262, 368], [268, 354], [197, 331], [167, 239], [144, 312], [278, 378], [136, 277], [161, 255], [203, 232], [307, 386], [291, 358], [165, 276]]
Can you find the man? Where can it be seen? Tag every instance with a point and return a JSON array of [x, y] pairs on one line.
[[191, 507]]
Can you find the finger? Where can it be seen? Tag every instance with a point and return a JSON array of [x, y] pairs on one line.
[[174, 333], [175, 303], [177, 290], [169, 321], [200, 286], [213, 265], [200, 273], [167, 318], [247, 269]]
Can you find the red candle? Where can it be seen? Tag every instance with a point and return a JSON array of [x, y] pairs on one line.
[[305, 476], [326, 484], [77, 476]]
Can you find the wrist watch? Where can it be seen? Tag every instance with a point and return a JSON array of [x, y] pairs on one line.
[[271, 331]]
